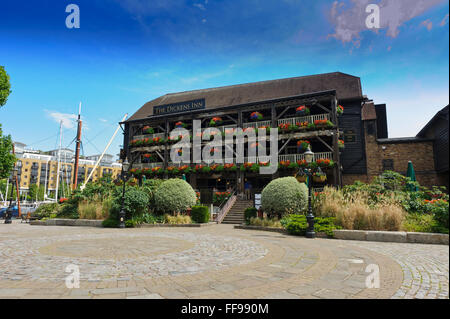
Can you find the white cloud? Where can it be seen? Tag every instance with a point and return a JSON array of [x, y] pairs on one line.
[[103, 120], [68, 120], [350, 21], [200, 6]]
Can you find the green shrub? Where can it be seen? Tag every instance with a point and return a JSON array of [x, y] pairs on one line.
[[200, 214], [297, 225], [68, 210], [110, 223], [284, 196], [174, 195], [249, 213], [44, 210]]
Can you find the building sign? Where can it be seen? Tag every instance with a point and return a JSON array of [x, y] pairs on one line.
[[349, 136], [257, 201], [179, 107]]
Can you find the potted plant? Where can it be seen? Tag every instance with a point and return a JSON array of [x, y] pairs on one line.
[[215, 121], [180, 125], [301, 178], [303, 145], [302, 110], [319, 177], [256, 116], [148, 130]]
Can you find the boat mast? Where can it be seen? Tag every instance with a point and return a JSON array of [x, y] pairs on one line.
[[77, 150], [59, 160]]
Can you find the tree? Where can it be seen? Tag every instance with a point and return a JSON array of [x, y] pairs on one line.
[[5, 86], [7, 159]]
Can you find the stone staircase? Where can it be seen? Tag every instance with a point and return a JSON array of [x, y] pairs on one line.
[[236, 213]]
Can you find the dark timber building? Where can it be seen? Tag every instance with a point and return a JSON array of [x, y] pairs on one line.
[[362, 126]]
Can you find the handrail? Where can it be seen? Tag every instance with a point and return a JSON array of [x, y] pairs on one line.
[[226, 207]]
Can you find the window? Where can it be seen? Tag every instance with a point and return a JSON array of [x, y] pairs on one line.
[[388, 165]]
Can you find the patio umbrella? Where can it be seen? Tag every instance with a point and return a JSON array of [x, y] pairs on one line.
[[412, 176]]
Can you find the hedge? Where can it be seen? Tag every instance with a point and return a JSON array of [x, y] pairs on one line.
[[200, 214]]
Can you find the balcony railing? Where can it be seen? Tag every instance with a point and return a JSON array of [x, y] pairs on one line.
[[291, 120], [285, 157]]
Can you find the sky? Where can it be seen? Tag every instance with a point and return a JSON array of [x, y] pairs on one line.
[[128, 52]]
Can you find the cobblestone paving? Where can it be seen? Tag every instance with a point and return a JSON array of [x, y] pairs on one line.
[[211, 262]]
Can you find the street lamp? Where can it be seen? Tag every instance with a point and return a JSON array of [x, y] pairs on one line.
[[125, 166], [309, 156]]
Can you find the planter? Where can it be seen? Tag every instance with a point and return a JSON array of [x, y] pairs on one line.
[[319, 178], [256, 116], [301, 178]]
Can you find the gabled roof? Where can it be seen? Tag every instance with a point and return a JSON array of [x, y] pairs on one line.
[[442, 114], [346, 86]]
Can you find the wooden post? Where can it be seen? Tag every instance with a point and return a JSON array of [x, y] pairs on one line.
[[17, 187], [77, 151], [166, 153], [336, 157]]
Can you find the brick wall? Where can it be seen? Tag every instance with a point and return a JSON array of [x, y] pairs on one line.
[[420, 153]]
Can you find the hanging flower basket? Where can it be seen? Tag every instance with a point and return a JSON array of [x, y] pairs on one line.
[[303, 145], [302, 110], [147, 158], [319, 177], [180, 125], [148, 130], [215, 121], [301, 178], [340, 110], [341, 144], [180, 152], [256, 116]]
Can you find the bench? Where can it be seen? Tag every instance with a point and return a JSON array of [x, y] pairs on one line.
[[28, 217]]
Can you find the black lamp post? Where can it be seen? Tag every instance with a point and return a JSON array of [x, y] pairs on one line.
[[10, 209], [125, 166], [309, 156]]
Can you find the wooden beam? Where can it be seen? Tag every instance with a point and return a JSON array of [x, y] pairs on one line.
[[274, 116], [323, 107], [235, 121], [285, 144], [325, 143], [284, 111]]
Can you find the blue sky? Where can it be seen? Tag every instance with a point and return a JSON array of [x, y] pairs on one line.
[[128, 52]]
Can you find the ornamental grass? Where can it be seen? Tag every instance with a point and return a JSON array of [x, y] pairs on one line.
[[356, 210]]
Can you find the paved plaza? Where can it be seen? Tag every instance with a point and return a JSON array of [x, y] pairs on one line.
[[216, 261]]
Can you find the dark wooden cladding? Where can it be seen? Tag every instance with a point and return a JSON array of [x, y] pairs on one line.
[[354, 156]]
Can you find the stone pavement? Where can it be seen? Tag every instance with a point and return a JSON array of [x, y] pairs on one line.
[[212, 262]]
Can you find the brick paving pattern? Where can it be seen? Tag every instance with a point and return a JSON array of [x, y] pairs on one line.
[[211, 262]]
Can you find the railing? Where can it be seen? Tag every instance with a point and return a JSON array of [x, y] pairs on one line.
[[308, 118], [257, 124], [284, 157], [297, 157], [223, 211], [150, 136]]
